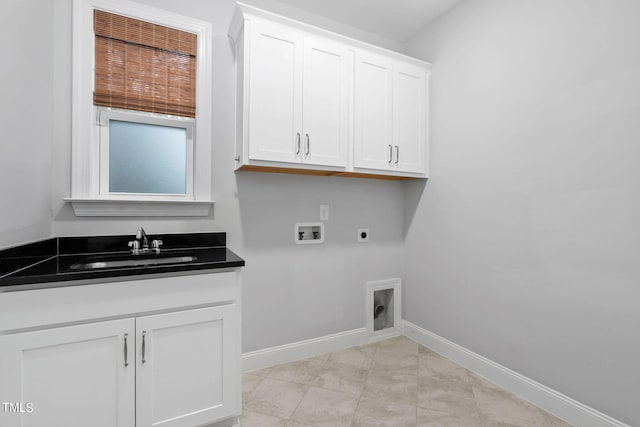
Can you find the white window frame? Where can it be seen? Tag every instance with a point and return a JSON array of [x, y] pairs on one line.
[[105, 114], [87, 181]]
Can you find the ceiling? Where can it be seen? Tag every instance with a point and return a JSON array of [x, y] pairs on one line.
[[397, 20]]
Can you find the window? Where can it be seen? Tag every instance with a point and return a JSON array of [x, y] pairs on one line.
[[141, 111], [145, 154]]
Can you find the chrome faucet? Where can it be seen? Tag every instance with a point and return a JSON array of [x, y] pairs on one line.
[[141, 236], [141, 244]]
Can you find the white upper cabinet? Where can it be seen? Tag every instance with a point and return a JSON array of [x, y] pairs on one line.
[[409, 117], [390, 115], [275, 92], [312, 101], [298, 97], [325, 103], [373, 132]]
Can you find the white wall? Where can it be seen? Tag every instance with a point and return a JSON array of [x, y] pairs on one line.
[[524, 246], [290, 292], [26, 107]]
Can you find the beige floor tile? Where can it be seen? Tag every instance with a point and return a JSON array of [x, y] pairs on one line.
[[357, 356], [320, 358], [301, 371], [330, 408], [399, 344], [391, 387], [260, 372], [395, 382], [249, 383], [380, 413], [387, 359], [432, 364], [276, 398], [424, 350], [254, 419], [499, 407], [341, 377], [446, 394], [294, 423], [433, 418]]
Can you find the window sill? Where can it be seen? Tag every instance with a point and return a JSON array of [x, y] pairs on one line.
[[129, 208]]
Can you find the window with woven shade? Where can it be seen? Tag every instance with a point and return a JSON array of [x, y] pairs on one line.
[[142, 105], [144, 66]]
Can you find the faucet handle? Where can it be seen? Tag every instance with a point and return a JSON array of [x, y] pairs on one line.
[[155, 244], [135, 246]]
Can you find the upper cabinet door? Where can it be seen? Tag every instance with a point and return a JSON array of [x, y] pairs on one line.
[[188, 367], [73, 376], [373, 143], [275, 92], [409, 117], [325, 103]]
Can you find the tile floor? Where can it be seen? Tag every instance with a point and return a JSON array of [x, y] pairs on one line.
[[395, 382]]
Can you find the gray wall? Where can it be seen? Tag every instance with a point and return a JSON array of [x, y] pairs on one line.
[[26, 94], [525, 245], [290, 292]]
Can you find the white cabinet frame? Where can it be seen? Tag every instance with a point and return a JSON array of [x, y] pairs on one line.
[[66, 321], [291, 157], [185, 373], [83, 367]]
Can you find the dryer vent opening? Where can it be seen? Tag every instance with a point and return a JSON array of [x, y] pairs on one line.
[[384, 317], [383, 309]]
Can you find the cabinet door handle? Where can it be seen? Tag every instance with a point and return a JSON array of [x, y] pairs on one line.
[[306, 135], [397, 154], [297, 143], [126, 350], [390, 154], [144, 345]]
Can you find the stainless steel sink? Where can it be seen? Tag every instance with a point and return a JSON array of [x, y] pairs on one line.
[[132, 262]]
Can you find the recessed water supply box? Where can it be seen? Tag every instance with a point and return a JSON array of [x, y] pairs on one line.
[[309, 233]]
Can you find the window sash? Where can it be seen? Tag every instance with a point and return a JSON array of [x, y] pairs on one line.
[[105, 115]]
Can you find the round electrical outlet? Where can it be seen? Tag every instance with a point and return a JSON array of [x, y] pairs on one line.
[[363, 235]]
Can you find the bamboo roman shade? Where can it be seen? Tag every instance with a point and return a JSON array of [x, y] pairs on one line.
[[143, 66]]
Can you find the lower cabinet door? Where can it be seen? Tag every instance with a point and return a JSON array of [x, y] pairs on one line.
[[75, 376], [188, 367]]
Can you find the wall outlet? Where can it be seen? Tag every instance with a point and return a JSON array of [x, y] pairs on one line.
[[363, 235], [324, 212]]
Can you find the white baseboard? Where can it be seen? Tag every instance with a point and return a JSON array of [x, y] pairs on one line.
[[540, 395], [302, 349]]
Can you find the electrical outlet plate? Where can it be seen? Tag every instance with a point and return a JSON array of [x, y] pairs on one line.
[[363, 235], [324, 212]]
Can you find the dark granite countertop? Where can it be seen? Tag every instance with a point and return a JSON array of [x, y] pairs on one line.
[[53, 262]]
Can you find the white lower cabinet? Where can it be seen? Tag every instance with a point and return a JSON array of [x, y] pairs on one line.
[[178, 368], [69, 376], [184, 366]]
